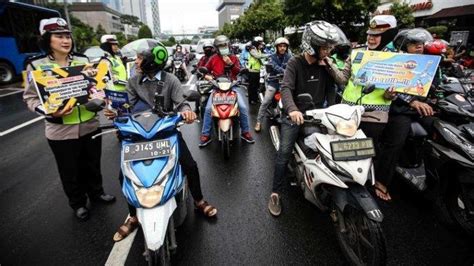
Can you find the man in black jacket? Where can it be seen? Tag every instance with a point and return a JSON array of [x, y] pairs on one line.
[[311, 72]]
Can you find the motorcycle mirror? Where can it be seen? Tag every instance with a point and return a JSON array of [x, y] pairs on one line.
[[368, 89], [203, 70], [191, 95], [305, 102], [445, 78], [194, 65]]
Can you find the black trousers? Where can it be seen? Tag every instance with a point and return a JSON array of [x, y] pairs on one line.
[[78, 162], [393, 140], [254, 84], [190, 169]]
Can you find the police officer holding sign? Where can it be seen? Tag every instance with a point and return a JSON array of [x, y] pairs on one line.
[[69, 130]]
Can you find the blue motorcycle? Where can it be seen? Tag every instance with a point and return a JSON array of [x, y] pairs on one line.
[[153, 178]]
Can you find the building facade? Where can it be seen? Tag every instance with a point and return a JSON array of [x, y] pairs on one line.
[[94, 14], [230, 10], [455, 14], [155, 17], [135, 8]]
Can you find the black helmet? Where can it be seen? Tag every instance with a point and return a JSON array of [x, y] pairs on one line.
[[319, 33], [416, 35], [154, 59]]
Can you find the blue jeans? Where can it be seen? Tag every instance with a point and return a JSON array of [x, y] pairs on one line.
[[267, 100], [288, 135], [244, 114]]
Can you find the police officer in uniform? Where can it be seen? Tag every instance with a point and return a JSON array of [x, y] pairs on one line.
[[69, 130], [109, 44]]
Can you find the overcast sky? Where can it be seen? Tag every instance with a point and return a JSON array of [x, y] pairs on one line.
[[176, 15]]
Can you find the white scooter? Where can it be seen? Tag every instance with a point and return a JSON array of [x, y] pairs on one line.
[[333, 163]]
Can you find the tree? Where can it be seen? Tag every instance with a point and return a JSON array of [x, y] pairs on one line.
[[131, 20], [121, 38], [195, 39], [172, 40], [144, 32], [440, 31], [351, 16], [404, 15], [185, 41], [100, 31]]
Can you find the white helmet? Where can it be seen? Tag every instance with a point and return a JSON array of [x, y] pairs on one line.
[[258, 39], [110, 38], [282, 40]]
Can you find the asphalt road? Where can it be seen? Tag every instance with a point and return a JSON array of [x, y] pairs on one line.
[[37, 227]]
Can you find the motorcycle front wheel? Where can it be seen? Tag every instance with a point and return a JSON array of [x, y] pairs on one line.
[[456, 203], [361, 239], [159, 257]]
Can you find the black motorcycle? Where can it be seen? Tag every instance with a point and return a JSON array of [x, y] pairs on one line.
[[441, 166]]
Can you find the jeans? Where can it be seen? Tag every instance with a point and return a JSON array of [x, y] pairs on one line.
[[269, 94], [288, 136], [244, 114]]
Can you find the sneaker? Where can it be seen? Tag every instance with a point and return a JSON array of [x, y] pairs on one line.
[[258, 127], [247, 137], [274, 205], [204, 140]]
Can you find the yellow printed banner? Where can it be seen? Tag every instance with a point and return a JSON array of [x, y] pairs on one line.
[[407, 73], [71, 86]]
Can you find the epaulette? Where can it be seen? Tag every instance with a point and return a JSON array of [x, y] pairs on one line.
[[29, 60], [79, 55]]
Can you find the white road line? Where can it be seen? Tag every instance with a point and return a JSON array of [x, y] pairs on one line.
[[120, 251], [10, 93], [8, 131]]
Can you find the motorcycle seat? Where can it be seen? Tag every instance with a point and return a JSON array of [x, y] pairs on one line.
[[417, 130], [308, 152]]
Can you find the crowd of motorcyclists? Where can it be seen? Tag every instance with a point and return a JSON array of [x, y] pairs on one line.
[[322, 69]]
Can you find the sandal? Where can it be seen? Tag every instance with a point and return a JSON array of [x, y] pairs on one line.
[[382, 193], [207, 209], [126, 229]]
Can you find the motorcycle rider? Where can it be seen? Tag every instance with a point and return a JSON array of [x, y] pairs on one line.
[[382, 30], [244, 55], [179, 54], [404, 110], [141, 90], [341, 53], [220, 64], [208, 48], [311, 72], [69, 130], [278, 60], [254, 64], [109, 44]]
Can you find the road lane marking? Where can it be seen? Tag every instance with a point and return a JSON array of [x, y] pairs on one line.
[[119, 253], [10, 93], [8, 131]]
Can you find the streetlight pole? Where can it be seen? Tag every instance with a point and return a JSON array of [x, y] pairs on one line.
[[66, 11]]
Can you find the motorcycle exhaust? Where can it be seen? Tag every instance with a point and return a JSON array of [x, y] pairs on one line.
[[275, 135]]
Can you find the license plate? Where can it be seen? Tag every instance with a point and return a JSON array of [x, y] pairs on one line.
[[351, 150], [223, 100], [146, 150]]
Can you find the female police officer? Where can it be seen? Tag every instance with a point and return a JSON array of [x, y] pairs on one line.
[[69, 130]]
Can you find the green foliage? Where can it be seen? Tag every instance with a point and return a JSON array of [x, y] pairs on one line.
[[131, 20], [121, 38], [144, 32], [195, 39], [259, 17], [351, 16], [404, 15], [172, 40], [100, 30], [440, 31], [185, 41]]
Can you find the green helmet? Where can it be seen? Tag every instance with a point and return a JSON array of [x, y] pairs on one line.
[[154, 59]]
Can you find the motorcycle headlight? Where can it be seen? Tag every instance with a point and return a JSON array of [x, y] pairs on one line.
[[461, 142], [345, 127], [224, 86], [150, 197]]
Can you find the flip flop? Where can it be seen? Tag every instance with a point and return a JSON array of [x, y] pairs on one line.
[[207, 209], [126, 229], [382, 194]]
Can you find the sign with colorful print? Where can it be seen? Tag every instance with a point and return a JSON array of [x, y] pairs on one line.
[[69, 86], [407, 73]]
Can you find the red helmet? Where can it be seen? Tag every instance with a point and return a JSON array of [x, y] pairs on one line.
[[435, 47]]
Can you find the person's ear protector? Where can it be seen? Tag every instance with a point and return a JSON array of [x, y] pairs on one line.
[[160, 55]]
